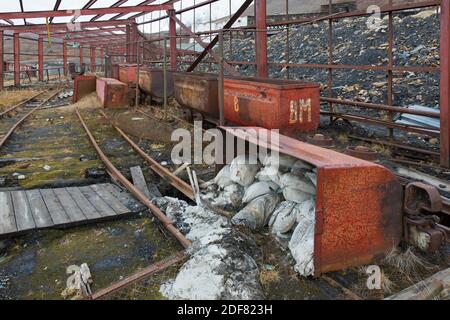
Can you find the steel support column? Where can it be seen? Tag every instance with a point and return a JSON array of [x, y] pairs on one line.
[[128, 43], [41, 58], [134, 39], [66, 70], [445, 83], [16, 59], [261, 38], [93, 59], [2, 60], [81, 58], [173, 41]]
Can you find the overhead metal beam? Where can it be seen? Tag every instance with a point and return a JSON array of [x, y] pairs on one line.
[[63, 26], [115, 5], [140, 4], [199, 40], [214, 41], [83, 12], [55, 8]]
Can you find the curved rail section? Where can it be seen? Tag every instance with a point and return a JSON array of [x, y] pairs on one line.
[[19, 122], [117, 175], [21, 103]]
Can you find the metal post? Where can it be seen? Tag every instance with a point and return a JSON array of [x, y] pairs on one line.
[[128, 43], [221, 81], [66, 70], [137, 77], [81, 58], [16, 59], [261, 38], [445, 83], [134, 41], [2, 60], [173, 41], [41, 58], [165, 78], [93, 59]]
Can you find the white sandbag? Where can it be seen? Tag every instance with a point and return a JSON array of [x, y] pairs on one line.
[[228, 199], [243, 170], [269, 174], [257, 213], [223, 178], [297, 182], [284, 218], [259, 189], [306, 210], [302, 248], [296, 195], [280, 161], [300, 164], [312, 177]]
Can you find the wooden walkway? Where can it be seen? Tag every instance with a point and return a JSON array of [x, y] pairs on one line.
[[22, 211]]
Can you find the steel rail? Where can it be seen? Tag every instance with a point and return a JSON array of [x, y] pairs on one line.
[[18, 123], [117, 175], [164, 173], [21, 103], [140, 275]]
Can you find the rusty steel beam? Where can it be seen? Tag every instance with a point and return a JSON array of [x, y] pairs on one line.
[[115, 5], [118, 176], [64, 27], [55, 8], [84, 32], [140, 4], [84, 12], [93, 62], [66, 67], [41, 58], [261, 38], [2, 60], [16, 41], [199, 40], [214, 41], [445, 83], [173, 41]]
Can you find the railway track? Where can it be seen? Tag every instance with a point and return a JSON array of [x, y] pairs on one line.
[[22, 111]]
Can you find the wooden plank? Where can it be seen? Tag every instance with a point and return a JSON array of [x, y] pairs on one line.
[[88, 209], [124, 197], [22, 211], [39, 210], [59, 216], [7, 219], [101, 206], [139, 180], [74, 212], [112, 201]]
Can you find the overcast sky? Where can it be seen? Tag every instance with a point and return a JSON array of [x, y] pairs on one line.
[[219, 10]]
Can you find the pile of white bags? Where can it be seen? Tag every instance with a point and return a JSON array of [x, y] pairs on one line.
[[278, 191]]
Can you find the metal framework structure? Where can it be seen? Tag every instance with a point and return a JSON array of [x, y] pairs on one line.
[[120, 36]]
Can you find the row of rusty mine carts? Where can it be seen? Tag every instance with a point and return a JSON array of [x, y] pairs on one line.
[[361, 210]]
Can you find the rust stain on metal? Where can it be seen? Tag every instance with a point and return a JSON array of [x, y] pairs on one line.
[[83, 85], [358, 204], [290, 106], [112, 93], [151, 81]]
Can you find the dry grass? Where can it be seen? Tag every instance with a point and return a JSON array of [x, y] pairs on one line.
[[387, 284], [268, 276], [407, 262], [386, 151], [9, 98]]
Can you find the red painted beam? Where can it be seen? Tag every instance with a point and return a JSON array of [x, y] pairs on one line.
[[41, 58], [2, 60], [16, 59], [173, 41], [83, 12], [261, 38], [445, 83], [63, 26], [93, 59], [66, 69], [115, 5], [81, 57], [84, 32], [140, 4]]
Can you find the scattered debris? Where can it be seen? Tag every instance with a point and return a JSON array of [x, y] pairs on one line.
[[78, 284]]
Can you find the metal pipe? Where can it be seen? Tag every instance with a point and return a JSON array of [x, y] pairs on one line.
[[165, 78], [138, 67]]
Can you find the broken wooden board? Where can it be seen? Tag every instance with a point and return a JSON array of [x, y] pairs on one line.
[[22, 211]]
